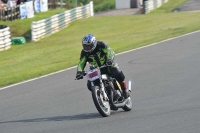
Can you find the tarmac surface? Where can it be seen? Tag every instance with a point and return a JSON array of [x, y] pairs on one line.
[[165, 96], [190, 5]]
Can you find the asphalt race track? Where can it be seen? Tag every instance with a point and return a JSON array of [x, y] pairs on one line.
[[165, 96]]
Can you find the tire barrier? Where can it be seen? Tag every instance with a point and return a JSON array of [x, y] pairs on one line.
[[5, 41], [46, 27], [150, 5]]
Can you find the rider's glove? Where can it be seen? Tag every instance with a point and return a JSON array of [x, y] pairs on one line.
[[109, 62], [79, 75]]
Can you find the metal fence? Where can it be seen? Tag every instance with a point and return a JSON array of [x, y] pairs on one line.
[[10, 13]]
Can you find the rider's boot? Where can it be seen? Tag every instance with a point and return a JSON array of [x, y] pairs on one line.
[[124, 89]]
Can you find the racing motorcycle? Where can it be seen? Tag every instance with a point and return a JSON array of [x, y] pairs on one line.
[[106, 91]]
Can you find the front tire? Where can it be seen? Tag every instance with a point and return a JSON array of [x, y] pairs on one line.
[[102, 106]]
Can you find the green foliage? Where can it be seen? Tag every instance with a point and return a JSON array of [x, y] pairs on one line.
[[79, 1], [84, 1], [103, 5], [99, 5]]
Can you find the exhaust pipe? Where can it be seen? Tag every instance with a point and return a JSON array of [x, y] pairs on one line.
[[121, 105], [129, 85]]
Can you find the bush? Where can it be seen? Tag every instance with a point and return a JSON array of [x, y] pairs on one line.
[[99, 5], [103, 5]]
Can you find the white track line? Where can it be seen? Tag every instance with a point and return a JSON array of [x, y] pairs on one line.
[[76, 66], [36, 78]]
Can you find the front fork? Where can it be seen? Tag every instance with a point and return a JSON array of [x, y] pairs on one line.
[[102, 88]]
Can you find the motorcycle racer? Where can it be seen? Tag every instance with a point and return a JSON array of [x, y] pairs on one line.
[[99, 53]]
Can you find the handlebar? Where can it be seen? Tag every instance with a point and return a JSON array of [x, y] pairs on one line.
[[105, 65], [85, 72]]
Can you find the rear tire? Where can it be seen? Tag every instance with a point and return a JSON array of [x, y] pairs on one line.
[[102, 106]]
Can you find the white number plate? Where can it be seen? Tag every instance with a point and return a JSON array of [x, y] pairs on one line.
[[93, 74]]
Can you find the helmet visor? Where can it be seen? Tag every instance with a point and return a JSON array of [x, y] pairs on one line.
[[88, 47]]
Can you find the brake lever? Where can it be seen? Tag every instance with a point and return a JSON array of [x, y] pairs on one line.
[[83, 73]]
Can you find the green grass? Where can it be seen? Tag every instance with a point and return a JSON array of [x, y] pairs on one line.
[[169, 6], [62, 49]]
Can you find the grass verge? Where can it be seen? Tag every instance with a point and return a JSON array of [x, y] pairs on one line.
[[169, 6]]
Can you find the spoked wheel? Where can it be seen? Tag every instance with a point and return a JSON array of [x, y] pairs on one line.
[[102, 105], [128, 105]]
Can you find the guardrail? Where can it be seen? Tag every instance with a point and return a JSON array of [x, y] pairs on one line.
[[10, 13], [150, 5], [46, 27], [5, 41]]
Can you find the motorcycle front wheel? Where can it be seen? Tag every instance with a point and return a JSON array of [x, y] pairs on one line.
[[102, 105]]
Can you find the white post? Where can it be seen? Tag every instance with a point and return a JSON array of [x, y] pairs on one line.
[[91, 8], [61, 5]]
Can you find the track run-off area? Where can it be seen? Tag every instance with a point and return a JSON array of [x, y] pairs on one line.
[[165, 95]]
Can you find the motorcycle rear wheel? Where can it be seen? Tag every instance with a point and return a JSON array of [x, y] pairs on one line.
[[102, 106]]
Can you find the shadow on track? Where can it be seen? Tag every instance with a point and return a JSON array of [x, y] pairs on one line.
[[59, 118]]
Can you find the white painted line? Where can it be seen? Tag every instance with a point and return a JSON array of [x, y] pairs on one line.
[[37, 78], [192, 11], [158, 42], [76, 66]]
